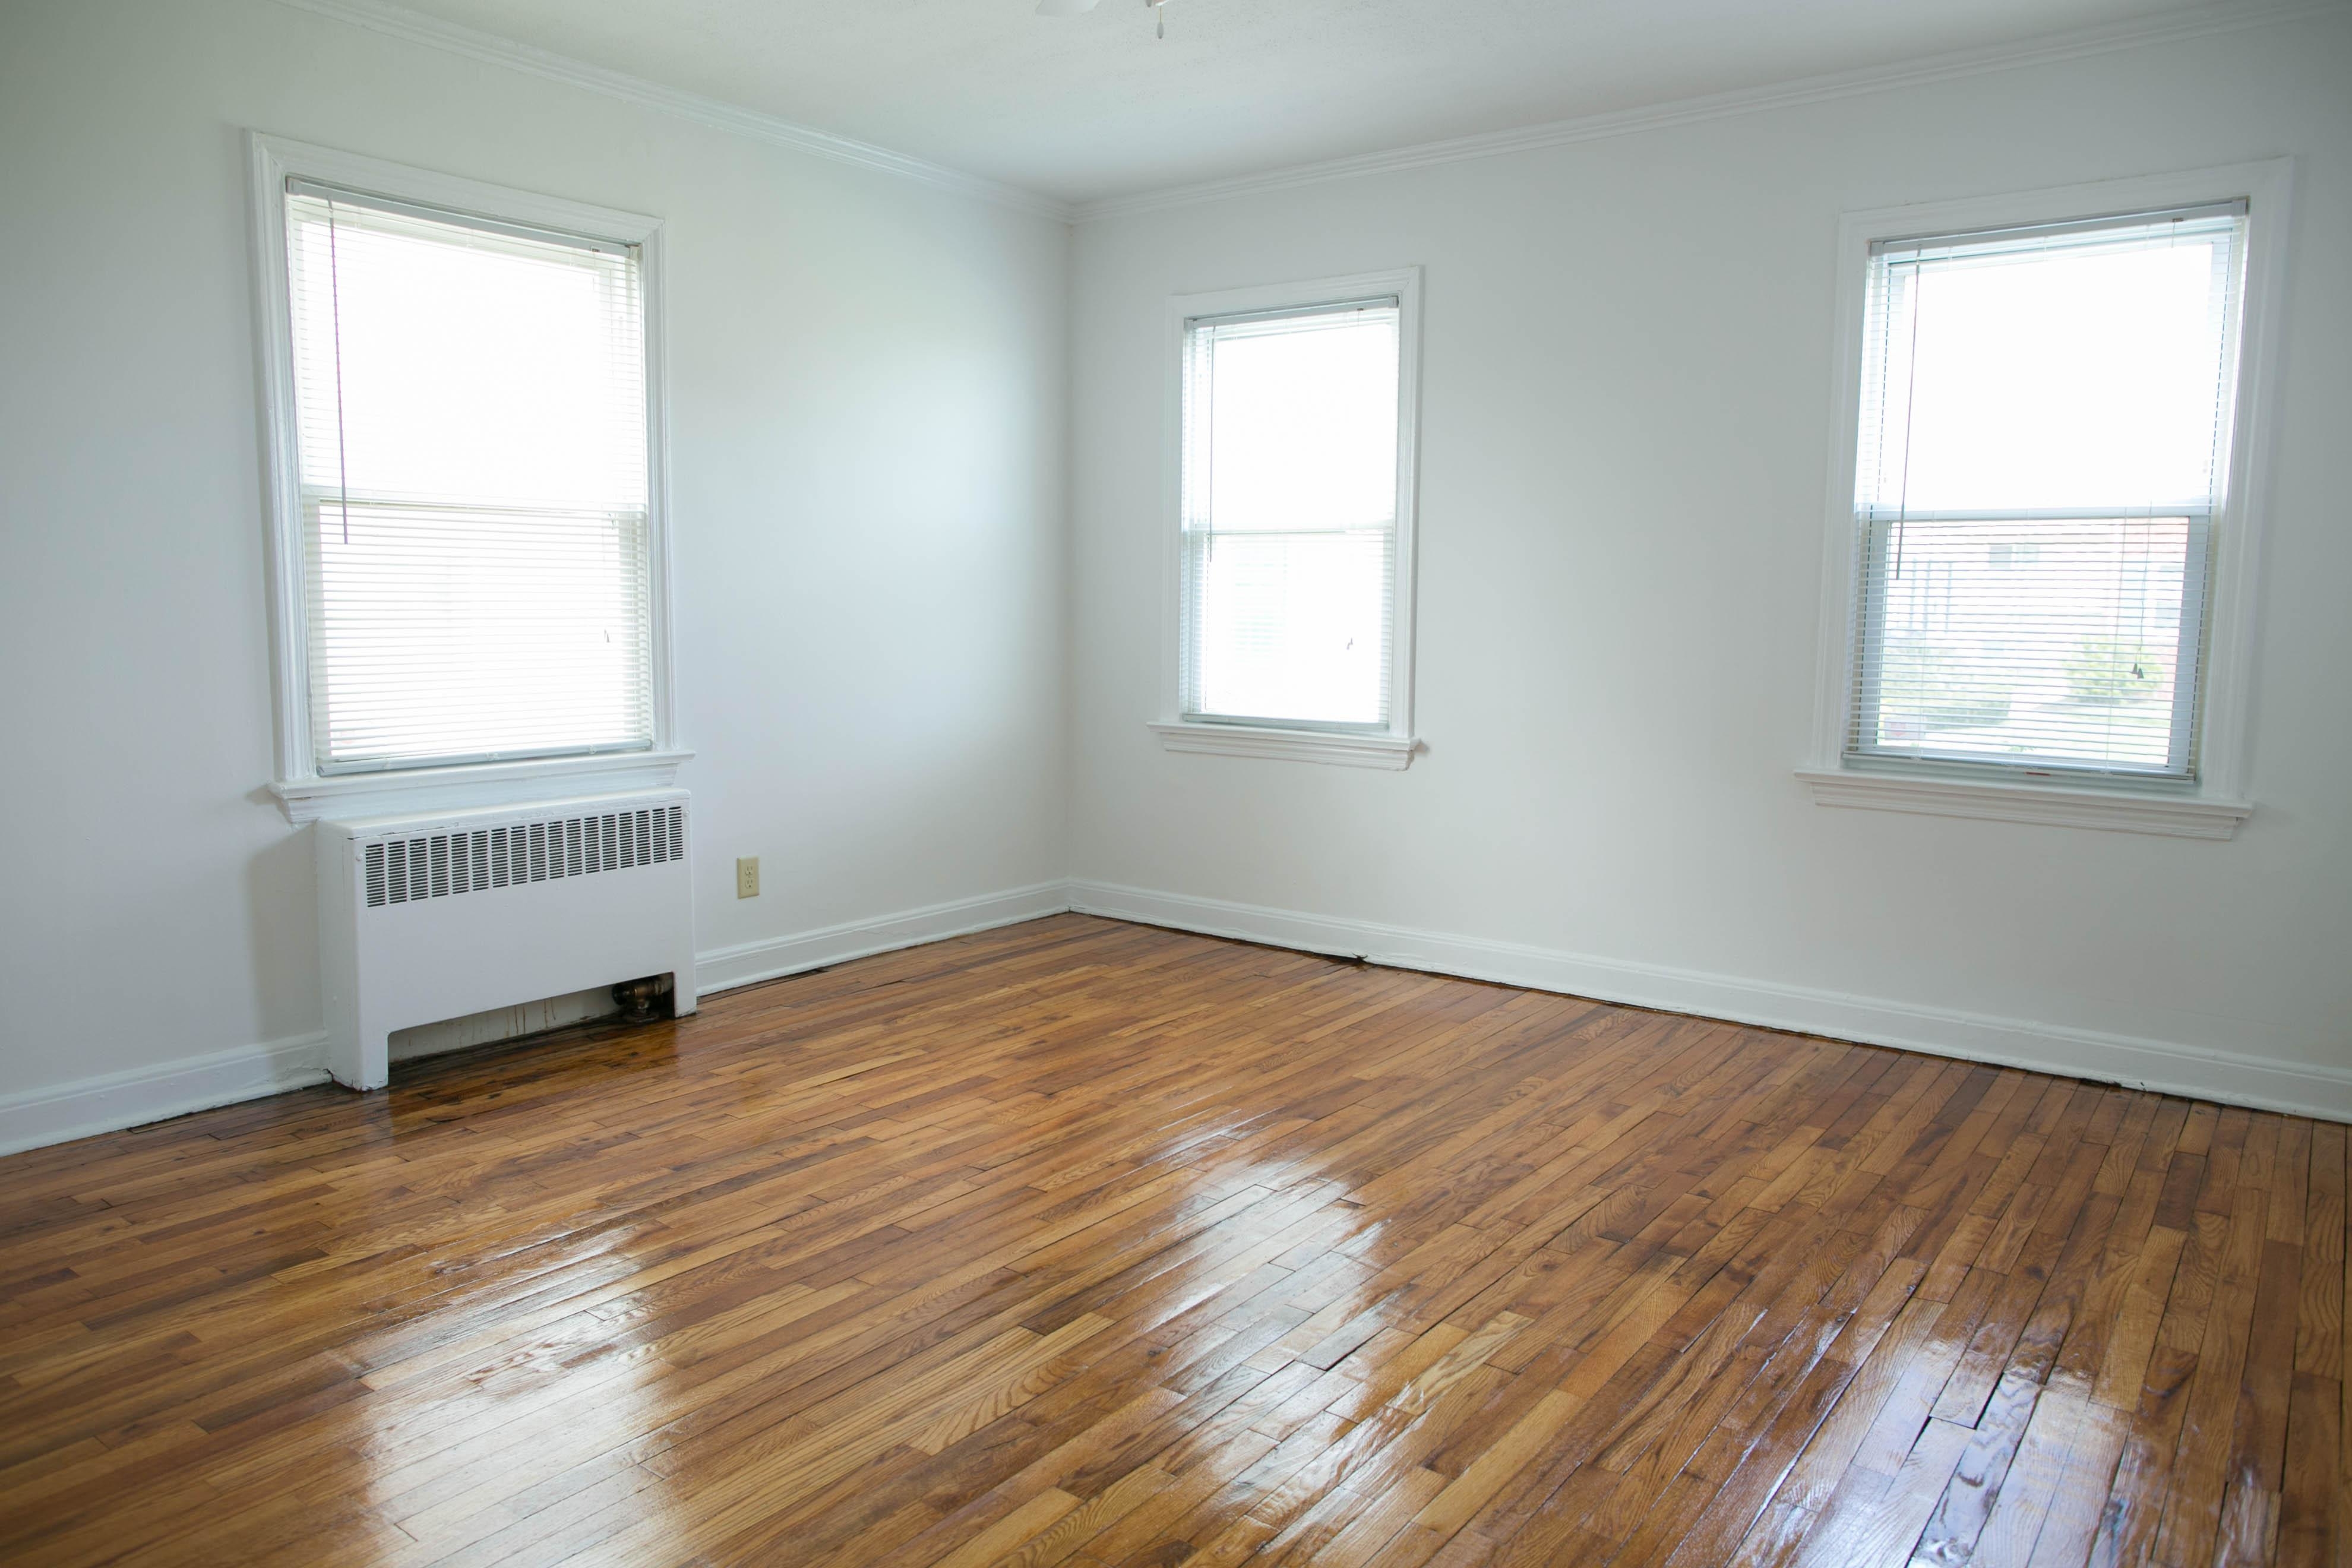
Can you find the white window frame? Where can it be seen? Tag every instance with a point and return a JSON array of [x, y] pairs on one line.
[[302, 792], [1389, 747], [2211, 805]]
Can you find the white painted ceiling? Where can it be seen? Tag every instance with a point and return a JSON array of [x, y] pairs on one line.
[[1093, 106]]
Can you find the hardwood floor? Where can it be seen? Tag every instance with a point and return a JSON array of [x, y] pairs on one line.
[[1090, 1244]]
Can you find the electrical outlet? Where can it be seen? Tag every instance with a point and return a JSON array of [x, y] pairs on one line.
[[747, 877]]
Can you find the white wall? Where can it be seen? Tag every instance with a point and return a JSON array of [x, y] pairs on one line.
[[866, 378], [1625, 416], [909, 685]]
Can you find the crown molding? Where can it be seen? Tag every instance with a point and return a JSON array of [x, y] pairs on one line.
[[413, 26], [2179, 27]]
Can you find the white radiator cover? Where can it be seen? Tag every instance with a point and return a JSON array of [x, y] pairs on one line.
[[436, 916]]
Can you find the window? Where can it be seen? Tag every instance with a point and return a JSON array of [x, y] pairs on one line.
[[467, 532], [1294, 520], [2043, 447], [2046, 523]]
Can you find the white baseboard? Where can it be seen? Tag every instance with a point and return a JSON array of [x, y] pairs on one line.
[[752, 961], [2266, 1083], [86, 1107], [60, 1112]]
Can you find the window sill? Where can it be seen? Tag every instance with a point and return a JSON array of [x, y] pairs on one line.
[[1342, 748], [347, 795], [2178, 816]]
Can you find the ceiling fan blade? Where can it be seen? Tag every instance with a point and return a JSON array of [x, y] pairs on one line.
[[1064, 8]]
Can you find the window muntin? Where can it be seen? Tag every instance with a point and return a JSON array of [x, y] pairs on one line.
[[470, 412], [1290, 485], [2043, 453]]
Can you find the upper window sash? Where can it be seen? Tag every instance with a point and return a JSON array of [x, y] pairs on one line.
[[1954, 459], [1375, 507]]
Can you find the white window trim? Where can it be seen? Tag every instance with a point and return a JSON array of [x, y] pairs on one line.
[[300, 790], [1391, 747], [2215, 805]]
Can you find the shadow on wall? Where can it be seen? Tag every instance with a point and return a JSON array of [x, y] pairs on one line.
[[281, 900]]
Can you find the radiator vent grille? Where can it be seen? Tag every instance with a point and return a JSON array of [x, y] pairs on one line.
[[443, 865]]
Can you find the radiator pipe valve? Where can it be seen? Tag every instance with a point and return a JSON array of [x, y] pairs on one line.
[[636, 998]]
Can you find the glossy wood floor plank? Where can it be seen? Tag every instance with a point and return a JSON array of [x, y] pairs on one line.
[[1086, 1244]]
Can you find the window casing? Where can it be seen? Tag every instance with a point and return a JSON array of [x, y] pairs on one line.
[[1293, 469], [1969, 505], [463, 414]]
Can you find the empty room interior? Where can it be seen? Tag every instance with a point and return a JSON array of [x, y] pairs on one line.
[[986, 784]]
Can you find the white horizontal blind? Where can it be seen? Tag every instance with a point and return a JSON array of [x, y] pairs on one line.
[[470, 402], [2044, 442], [1289, 488]]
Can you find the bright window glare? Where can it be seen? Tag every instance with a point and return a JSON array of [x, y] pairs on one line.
[[1290, 536], [471, 407], [2067, 379], [469, 371], [1303, 425], [1294, 627]]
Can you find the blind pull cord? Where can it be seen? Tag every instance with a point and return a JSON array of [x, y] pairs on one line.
[[1910, 418], [335, 303]]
